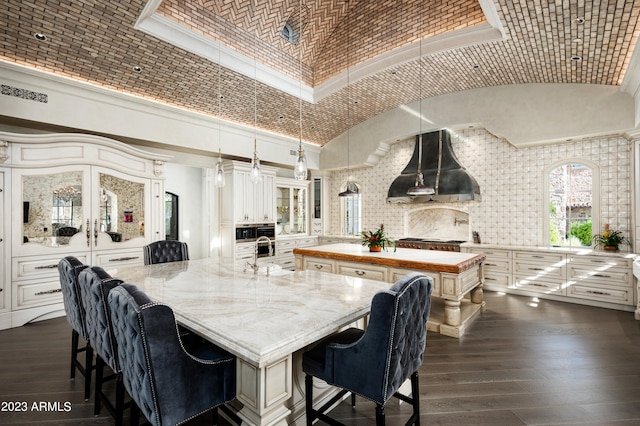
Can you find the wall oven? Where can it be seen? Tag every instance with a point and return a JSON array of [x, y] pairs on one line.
[[251, 232]]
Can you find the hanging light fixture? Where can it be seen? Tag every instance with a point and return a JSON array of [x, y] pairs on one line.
[[419, 188], [348, 192], [219, 178], [256, 173], [300, 169]]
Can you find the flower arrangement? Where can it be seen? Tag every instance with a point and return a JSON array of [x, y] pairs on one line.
[[609, 239], [377, 240]]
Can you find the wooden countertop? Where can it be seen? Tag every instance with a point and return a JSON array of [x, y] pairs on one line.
[[419, 260]]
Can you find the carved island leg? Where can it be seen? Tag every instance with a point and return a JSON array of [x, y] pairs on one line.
[[452, 312], [477, 295]]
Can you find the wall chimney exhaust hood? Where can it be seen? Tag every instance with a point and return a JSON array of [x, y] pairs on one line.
[[441, 170]]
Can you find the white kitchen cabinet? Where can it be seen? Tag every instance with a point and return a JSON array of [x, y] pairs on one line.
[[591, 278], [246, 202], [292, 199], [543, 272], [601, 279], [285, 246], [80, 195], [361, 270]]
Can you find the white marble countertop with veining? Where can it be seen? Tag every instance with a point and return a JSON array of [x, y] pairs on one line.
[[256, 317]]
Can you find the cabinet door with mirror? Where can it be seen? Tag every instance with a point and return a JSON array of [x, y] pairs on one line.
[[78, 208]]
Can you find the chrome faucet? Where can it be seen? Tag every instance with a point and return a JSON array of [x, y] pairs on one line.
[[254, 266]]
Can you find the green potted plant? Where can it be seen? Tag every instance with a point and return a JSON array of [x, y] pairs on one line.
[[609, 239], [377, 240]]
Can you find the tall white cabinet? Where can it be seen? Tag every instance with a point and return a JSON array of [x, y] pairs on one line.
[[71, 194], [244, 202]]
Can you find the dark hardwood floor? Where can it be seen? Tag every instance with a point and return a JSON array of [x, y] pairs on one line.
[[521, 362]]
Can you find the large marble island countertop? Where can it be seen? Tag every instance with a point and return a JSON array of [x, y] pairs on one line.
[[256, 317], [418, 260]]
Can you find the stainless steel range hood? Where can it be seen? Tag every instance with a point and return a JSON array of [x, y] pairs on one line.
[[442, 171]]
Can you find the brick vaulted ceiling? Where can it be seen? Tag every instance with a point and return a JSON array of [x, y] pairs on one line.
[[96, 41]]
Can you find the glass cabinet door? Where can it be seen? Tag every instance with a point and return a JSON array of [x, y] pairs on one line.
[[283, 209], [299, 214]]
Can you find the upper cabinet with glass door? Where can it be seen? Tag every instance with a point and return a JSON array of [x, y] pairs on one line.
[[292, 207]]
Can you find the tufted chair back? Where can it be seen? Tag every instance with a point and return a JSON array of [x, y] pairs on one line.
[[165, 251], [388, 352], [95, 284], [168, 384], [69, 268]]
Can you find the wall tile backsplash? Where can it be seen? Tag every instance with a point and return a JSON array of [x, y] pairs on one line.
[[511, 183]]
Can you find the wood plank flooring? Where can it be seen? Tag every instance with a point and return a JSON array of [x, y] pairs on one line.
[[522, 362]]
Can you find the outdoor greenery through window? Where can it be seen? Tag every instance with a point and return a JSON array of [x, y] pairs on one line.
[[571, 205]]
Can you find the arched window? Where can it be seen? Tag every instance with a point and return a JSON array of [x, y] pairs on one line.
[[571, 203], [350, 211]]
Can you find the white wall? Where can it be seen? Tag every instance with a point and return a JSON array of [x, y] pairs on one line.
[[511, 182], [188, 183]]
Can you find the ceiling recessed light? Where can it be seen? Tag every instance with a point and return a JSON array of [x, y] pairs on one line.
[[356, 102], [475, 67], [576, 58], [137, 68], [40, 37], [577, 40], [579, 20]]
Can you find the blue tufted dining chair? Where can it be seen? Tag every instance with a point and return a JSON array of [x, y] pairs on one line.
[[170, 379], [165, 251], [69, 268], [375, 362], [95, 284]]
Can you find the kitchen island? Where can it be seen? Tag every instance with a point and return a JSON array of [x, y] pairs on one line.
[[458, 277], [267, 322]]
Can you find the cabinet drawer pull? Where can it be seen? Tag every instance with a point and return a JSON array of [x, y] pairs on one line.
[[538, 285], [52, 266], [535, 256], [602, 276], [361, 273], [599, 293], [42, 293], [319, 266], [490, 279], [536, 269], [490, 264], [122, 259]]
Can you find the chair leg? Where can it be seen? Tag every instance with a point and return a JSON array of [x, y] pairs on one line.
[[99, 381], [308, 390], [88, 369], [75, 337], [353, 399], [119, 400], [380, 415], [415, 396]]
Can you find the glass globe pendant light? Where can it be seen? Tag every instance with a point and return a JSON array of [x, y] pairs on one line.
[[219, 177], [300, 168]]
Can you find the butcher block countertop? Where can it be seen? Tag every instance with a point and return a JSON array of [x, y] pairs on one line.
[[419, 260]]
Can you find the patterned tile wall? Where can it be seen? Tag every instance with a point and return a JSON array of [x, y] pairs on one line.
[[511, 183]]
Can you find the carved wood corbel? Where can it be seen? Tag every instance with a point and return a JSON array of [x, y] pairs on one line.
[[4, 151]]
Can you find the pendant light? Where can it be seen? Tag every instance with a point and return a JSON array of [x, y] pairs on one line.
[[419, 188], [300, 169], [348, 192], [219, 178], [256, 173]]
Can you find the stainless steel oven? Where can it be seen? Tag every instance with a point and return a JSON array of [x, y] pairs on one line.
[[245, 233], [266, 230]]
